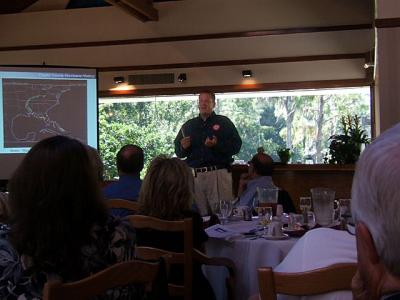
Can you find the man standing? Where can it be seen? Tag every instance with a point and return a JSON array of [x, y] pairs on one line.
[[209, 141], [130, 160]]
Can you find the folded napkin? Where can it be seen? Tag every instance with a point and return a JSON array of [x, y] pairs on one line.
[[222, 232]]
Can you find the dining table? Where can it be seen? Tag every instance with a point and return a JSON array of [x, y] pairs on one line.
[[244, 243]]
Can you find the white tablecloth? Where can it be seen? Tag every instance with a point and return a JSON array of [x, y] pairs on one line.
[[248, 255]]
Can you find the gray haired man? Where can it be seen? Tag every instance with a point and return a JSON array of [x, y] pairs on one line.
[[376, 210]]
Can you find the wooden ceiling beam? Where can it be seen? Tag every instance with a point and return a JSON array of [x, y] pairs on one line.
[[140, 9], [16, 6]]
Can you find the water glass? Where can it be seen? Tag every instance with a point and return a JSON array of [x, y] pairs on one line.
[[323, 203], [265, 217], [267, 195], [310, 219], [225, 208]]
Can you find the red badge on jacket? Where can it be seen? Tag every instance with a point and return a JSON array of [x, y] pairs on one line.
[[216, 127]]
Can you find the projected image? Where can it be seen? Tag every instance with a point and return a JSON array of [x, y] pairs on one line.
[[34, 109]]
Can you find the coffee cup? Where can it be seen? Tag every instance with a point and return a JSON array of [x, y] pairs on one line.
[[275, 227]]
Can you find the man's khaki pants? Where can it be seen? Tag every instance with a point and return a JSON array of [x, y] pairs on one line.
[[210, 188]]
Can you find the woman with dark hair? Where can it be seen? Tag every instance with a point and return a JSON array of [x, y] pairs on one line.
[[59, 226], [167, 193]]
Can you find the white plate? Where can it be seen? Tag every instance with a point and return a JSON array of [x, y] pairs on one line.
[[276, 238]]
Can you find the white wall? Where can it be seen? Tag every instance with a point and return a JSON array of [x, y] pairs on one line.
[[191, 17], [388, 68]]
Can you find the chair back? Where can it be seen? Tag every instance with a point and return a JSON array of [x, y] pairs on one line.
[[121, 274], [123, 203], [185, 257], [333, 278]]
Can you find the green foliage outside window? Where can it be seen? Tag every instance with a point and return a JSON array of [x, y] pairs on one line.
[[302, 123]]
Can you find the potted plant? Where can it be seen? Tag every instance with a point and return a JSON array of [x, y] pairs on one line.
[[284, 155], [345, 148]]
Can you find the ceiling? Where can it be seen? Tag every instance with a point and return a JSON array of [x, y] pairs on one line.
[[141, 9]]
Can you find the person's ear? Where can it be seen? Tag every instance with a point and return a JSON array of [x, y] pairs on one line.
[[365, 243]]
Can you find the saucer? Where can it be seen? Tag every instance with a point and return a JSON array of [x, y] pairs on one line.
[[295, 232], [284, 236]]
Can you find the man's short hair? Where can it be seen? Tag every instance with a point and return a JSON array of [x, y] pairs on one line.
[[376, 195], [212, 94], [262, 164], [130, 159]]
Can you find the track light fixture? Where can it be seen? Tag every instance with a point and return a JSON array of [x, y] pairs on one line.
[[119, 79], [369, 65], [182, 77], [247, 74]]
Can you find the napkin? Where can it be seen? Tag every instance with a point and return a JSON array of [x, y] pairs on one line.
[[221, 232]]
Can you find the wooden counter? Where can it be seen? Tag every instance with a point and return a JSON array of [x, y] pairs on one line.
[[299, 179]]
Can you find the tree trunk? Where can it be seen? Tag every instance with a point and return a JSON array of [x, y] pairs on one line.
[[290, 107], [320, 122]]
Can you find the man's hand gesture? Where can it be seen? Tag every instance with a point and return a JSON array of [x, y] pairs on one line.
[[185, 142], [211, 142]]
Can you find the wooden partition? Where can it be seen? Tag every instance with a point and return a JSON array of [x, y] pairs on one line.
[[299, 179]]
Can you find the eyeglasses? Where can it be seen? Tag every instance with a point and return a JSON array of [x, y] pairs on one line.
[[351, 228]]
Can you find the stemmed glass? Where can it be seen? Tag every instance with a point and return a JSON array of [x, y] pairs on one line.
[[225, 208]]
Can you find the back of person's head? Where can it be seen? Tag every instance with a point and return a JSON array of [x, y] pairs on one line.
[[167, 189], [262, 163], [55, 201], [98, 166], [376, 196], [130, 159]]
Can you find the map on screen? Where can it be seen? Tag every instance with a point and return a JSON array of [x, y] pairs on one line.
[[36, 108]]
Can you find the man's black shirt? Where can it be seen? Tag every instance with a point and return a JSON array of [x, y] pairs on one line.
[[199, 155]]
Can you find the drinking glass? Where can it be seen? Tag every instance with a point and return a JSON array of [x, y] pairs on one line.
[[256, 206], [265, 217], [225, 210], [323, 204], [310, 219], [267, 195]]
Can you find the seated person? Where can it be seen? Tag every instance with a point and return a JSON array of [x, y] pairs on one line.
[[167, 193], [260, 175], [98, 166], [59, 226], [375, 206], [319, 248], [130, 161]]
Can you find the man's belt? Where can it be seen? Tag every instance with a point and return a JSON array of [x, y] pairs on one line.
[[209, 168]]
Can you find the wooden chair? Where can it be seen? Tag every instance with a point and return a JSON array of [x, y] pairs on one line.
[[186, 258], [123, 203], [121, 274], [333, 278]]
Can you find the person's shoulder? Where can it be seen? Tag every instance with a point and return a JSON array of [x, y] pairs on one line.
[[332, 239], [116, 228], [110, 185], [7, 252], [192, 120], [222, 118]]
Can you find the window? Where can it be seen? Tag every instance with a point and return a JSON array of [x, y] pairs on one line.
[[302, 120]]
